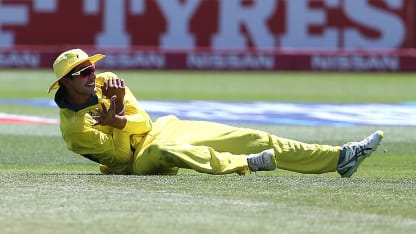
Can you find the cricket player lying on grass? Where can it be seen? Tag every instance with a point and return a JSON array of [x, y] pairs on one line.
[[102, 120]]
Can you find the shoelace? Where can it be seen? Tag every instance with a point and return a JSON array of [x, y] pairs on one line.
[[255, 163], [358, 152]]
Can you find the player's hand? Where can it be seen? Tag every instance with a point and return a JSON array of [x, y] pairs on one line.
[[115, 87], [109, 117], [106, 116]]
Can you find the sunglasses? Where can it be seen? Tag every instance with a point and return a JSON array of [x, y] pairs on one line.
[[85, 72]]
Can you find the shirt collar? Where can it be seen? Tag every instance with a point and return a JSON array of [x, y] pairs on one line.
[[60, 101]]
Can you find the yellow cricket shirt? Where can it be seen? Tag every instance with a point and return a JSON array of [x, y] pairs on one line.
[[106, 145]]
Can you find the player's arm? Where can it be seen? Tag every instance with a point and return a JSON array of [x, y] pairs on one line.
[[108, 149], [133, 120], [138, 120]]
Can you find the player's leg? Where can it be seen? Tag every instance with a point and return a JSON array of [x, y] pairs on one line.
[[170, 147], [305, 158], [159, 158], [221, 137], [290, 154], [314, 158]]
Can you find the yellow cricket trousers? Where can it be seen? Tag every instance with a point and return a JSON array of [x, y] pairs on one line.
[[215, 148]]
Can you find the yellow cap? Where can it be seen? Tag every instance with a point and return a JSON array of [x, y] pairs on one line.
[[68, 60]]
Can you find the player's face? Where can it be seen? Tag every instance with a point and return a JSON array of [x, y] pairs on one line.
[[83, 79]]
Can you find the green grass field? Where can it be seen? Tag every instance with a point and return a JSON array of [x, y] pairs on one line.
[[44, 188]]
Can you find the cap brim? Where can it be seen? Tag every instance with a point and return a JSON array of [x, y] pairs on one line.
[[93, 59]]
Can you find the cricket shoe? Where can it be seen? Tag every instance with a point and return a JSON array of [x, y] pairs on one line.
[[263, 161], [353, 153]]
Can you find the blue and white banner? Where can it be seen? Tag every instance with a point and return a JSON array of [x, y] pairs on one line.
[[279, 113], [346, 114]]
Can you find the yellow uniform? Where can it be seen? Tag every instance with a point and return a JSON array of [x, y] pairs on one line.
[[144, 147]]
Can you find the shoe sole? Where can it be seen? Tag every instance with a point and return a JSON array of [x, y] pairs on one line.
[[353, 169]]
